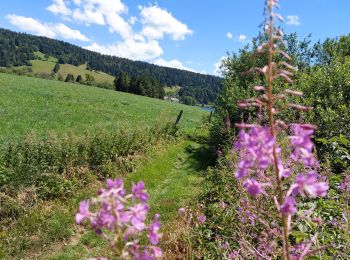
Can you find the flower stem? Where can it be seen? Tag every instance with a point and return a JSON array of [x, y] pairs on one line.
[[271, 101]]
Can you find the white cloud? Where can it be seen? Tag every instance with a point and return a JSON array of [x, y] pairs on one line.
[[31, 25], [242, 37], [88, 16], [293, 20], [131, 49], [143, 44], [59, 7], [45, 29], [229, 35], [100, 12], [172, 64], [157, 22], [68, 33], [119, 25], [218, 70]]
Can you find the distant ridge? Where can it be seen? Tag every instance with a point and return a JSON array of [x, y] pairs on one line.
[[18, 49]]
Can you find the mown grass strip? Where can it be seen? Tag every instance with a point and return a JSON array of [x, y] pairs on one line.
[[173, 179]]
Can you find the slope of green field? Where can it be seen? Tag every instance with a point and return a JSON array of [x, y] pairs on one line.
[[46, 66], [39, 105]]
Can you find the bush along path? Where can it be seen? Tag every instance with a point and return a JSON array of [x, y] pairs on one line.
[[173, 178]]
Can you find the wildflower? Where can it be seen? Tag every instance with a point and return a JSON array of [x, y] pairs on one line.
[[256, 150], [253, 187], [116, 185], [138, 215], [288, 207], [308, 184], [154, 236], [156, 252], [124, 214], [201, 218], [83, 211], [138, 192], [302, 144], [181, 211]]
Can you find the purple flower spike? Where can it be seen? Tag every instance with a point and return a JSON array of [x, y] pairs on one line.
[[256, 147], [308, 184], [288, 207], [253, 187], [138, 216], [156, 252], [83, 211], [154, 236], [303, 145], [139, 192], [117, 185], [126, 214], [114, 184]]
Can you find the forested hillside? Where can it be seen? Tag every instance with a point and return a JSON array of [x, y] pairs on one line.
[[18, 49]]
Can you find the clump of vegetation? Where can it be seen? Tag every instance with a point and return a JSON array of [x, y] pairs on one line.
[[262, 216], [55, 165], [121, 220], [143, 86]]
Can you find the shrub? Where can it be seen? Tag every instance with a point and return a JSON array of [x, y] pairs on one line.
[[59, 165]]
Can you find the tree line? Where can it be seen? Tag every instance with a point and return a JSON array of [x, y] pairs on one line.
[[18, 49], [143, 86]]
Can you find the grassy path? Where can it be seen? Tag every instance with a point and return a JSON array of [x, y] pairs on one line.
[[173, 179]]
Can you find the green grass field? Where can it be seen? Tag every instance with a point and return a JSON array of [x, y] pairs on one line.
[[170, 168], [38, 105], [46, 66]]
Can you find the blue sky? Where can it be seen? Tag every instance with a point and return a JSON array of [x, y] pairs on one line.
[[188, 34]]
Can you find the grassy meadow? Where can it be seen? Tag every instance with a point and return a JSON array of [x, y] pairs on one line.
[[46, 66], [40, 106], [60, 141]]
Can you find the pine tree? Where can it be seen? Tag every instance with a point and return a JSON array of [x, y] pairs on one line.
[[122, 82], [56, 68], [79, 79], [69, 78]]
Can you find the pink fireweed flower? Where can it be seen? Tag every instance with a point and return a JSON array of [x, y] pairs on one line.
[[309, 185], [139, 192], [283, 172], [302, 145], [156, 252], [253, 187], [83, 211], [124, 214], [181, 211], [256, 147], [138, 215], [115, 185], [288, 206], [154, 236]]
